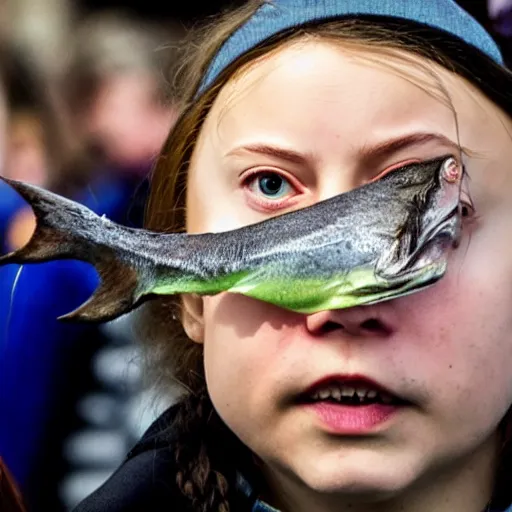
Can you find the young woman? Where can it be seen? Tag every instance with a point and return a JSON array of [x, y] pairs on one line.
[[291, 102]]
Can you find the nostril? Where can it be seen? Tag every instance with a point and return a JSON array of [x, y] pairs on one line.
[[329, 326], [372, 325], [350, 321], [375, 326]]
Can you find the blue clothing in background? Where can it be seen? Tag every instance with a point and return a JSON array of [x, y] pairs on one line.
[[10, 203], [43, 361], [35, 351]]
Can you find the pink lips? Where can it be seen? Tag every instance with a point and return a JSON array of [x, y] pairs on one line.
[[349, 419]]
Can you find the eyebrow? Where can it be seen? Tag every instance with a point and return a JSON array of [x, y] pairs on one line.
[[292, 156], [380, 150], [389, 147]]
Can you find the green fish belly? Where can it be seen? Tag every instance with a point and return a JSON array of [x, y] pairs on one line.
[[307, 295]]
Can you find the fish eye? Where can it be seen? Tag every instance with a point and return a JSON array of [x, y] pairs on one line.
[[452, 171]]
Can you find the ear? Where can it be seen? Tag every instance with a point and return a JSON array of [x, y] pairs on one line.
[[192, 317]]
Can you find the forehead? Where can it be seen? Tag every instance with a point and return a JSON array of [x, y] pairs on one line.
[[350, 94]]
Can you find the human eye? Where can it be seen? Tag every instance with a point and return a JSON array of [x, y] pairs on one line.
[[467, 206], [269, 190]]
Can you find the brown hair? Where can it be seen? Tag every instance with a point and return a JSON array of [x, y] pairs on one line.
[[170, 353]]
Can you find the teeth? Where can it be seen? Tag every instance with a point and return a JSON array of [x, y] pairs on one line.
[[341, 392], [336, 393], [361, 392], [325, 393], [347, 391]]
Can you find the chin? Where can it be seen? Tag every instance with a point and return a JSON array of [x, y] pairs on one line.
[[364, 481]]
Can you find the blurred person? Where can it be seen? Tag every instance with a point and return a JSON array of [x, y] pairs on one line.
[[45, 364], [498, 6], [9, 200], [27, 147], [119, 88], [3, 120], [36, 355], [10, 496], [40, 30], [500, 12], [38, 146]]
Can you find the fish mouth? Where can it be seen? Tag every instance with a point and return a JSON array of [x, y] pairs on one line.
[[423, 267], [435, 244], [427, 262]]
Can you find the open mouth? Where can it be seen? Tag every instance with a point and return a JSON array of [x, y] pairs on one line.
[[355, 392], [351, 406]]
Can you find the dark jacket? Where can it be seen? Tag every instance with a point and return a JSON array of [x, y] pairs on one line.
[[146, 480]]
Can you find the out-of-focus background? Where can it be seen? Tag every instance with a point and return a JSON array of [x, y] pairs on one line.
[[86, 100]]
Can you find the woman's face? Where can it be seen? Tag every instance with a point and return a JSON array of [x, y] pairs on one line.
[[26, 153], [321, 120]]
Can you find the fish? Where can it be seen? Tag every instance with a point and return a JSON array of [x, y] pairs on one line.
[[382, 240]]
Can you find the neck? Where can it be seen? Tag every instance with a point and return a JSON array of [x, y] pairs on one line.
[[464, 485]]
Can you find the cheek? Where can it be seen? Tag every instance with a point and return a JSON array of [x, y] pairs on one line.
[[244, 350], [464, 324]]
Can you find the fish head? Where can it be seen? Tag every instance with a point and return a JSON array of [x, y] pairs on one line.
[[431, 229]]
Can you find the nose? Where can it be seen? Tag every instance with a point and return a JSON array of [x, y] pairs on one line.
[[358, 321]]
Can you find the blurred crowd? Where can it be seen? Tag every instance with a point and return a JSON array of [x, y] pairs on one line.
[[86, 102]]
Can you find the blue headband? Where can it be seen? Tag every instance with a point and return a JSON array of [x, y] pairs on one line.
[[277, 15]]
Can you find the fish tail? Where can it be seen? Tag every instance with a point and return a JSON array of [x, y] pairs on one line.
[[115, 296], [68, 230], [58, 225]]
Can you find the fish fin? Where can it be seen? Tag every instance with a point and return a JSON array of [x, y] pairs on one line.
[[114, 296]]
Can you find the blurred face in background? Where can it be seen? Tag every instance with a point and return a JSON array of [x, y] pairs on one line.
[[26, 154], [126, 122]]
